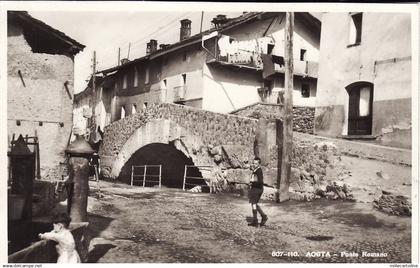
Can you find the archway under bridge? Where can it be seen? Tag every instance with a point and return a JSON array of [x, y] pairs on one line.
[[171, 159]]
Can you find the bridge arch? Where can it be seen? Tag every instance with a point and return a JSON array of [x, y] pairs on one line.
[[200, 135], [156, 142]]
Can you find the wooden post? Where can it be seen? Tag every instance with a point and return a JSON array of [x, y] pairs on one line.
[[38, 162], [185, 175], [160, 176], [94, 93], [132, 174], [201, 23], [144, 175], [119, 56], [288, 110]]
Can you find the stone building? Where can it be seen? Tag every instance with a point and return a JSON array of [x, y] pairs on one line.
[[364, 83], [40, 67], [237, 63]]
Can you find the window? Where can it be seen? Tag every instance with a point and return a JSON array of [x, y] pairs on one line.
[[270, 48], [144, 105], [122, 112], [124, 81], [303, 54], [184, 79], [146, 79], [136, 77], [355, 30], [163, 84], [305, 91], [184, 56]]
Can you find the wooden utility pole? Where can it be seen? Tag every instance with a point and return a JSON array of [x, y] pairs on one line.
[[94, 93], [201, 23], [288, 109], [128, 54], [119, 57]]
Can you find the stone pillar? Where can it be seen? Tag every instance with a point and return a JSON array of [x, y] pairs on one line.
[[265, 142], [260, 146], [79, 152]]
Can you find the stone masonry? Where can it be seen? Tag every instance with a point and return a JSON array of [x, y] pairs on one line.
[[201, 135], [303, 117]]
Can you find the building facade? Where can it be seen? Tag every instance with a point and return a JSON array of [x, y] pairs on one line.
[[40, 69], [364, 83], [235, 64]]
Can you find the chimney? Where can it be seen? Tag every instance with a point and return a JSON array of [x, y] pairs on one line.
[[185, 29], [219, 20], [124, 61], [151, 46]]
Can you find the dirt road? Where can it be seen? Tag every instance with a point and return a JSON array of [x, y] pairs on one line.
[[138, 224]]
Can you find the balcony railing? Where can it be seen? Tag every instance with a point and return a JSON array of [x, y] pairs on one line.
[[243, 55]]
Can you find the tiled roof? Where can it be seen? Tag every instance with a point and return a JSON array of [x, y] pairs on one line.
[[232, 22], [24, 16]]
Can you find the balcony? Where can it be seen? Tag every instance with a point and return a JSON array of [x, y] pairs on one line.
[[246, 54]]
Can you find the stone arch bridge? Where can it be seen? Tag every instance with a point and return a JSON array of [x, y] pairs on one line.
[[174, 135]]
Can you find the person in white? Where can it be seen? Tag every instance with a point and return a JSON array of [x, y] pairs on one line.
[[66, 247]]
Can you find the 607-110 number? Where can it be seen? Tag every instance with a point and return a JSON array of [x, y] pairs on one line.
[[284, 254]]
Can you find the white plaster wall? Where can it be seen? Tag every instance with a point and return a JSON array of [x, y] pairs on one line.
[[303, 38], [225, 91], [176, 66], [384, 36]]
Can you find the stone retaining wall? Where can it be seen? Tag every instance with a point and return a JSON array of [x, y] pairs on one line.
[[303, 117]]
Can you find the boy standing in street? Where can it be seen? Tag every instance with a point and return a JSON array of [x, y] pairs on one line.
[[256, 189]]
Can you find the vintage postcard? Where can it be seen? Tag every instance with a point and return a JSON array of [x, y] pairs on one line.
[[209, 133]]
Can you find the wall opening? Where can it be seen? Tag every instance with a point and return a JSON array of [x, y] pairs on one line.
[[360, 108], [302, 55], [134, 109], [172, 160], [355, 31], [122, 112]]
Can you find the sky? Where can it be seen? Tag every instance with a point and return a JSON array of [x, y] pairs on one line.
[[105, 32]]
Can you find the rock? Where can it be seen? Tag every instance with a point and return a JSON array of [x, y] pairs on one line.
[[217, 158], [196, 189], [331, 196], [320, 192], [393, 204], [295, 174], [269, 194]]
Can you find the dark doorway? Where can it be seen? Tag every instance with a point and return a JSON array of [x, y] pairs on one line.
[[360, 108], [172, 160]]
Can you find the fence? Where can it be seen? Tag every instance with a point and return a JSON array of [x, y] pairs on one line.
[[156, 178], [186, 177]]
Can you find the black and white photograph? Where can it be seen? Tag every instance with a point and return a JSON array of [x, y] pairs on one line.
[[209, 133]]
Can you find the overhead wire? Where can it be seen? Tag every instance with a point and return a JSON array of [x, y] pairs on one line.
[[147, 35]]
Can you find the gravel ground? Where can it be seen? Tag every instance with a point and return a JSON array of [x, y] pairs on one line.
[[135, 224]]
